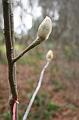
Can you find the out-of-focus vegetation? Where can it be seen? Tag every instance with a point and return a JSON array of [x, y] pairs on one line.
[[42, 105], [64, 41]]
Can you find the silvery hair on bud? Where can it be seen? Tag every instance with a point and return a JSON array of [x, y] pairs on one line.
[[45, 28], [49, 55]]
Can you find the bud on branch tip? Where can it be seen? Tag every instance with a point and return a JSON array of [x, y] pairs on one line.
[[43, 33], [49, 55], [45, 28]]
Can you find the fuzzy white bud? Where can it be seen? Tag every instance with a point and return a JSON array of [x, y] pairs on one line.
[[45, 28], [49, 55]]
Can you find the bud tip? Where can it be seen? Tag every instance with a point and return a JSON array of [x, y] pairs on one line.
[[49, 55], [45, 28]]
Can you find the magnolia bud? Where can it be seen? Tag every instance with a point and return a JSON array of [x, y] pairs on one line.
[[49, 55], [45, 28]]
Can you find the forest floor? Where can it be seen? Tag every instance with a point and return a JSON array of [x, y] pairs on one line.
[[54, 102]]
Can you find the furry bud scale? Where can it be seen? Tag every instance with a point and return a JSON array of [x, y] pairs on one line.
[[45, 28]]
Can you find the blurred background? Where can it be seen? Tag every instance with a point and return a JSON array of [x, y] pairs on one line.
[[58, 98]]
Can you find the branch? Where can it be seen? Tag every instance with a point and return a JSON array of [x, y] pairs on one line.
[[13, 101], [9, 41], [9, 47], [31, 46], [6, 15], [43, 33], [49, 57], [35, 92]]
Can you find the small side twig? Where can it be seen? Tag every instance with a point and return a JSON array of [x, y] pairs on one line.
[[35, 92], [49, 57], [43, 33], [36, 42]]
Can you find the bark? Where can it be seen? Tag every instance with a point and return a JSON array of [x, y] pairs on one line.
[[9, 41]]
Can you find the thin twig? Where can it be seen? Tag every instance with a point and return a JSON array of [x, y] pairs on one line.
[[35, 92], [36, 42]]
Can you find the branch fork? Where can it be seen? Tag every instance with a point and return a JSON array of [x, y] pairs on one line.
[[43, 33]]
